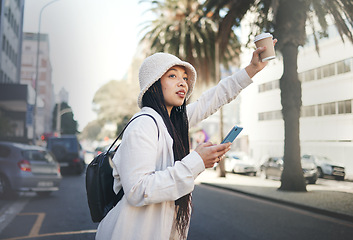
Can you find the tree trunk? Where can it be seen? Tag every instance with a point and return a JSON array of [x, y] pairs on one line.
[[292, 176], [290, 31], [221, 168]]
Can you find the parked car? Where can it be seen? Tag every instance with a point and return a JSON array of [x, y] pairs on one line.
[[239, 163], [27, 168], [273, 167], [327, 167], [68, 152]]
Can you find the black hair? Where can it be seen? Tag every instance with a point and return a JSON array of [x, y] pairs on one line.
[[178, 128]]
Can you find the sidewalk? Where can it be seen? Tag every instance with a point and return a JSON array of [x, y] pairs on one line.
[[329, 200]]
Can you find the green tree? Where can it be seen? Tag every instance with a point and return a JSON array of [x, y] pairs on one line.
[[68, 123], [91, 130], [287, 20], [115, 100], [180, 28]]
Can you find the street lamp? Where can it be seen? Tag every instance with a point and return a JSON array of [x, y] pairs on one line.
[[37, 70]]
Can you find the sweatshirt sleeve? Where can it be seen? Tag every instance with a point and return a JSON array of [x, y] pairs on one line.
[[213, 99], [136, 162]]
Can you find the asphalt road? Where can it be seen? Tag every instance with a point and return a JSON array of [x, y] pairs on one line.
[[218, 214], [226, 215], [63, 215]]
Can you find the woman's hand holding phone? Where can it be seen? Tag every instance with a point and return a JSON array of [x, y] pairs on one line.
[[211, 153]]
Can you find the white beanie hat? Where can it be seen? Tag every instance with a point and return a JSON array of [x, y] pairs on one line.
[[153, 68]]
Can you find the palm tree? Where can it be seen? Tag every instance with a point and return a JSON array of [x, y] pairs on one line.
[[181, 29], [287, 20]]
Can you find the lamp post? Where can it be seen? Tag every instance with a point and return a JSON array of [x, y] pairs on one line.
[[37, 71]]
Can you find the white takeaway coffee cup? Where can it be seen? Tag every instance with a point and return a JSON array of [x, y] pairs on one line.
[[265, 40]]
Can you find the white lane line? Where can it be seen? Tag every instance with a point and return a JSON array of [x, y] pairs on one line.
[[10, 211]]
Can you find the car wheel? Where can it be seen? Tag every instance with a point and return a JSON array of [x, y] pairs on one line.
[[312, 181], [5, 188], [320, 173]]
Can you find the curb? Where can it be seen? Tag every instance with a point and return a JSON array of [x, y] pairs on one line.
[[337, 215]]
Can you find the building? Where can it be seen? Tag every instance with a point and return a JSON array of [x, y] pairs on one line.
[[15, 98], [326, 124], [45, 96], [11, 24]]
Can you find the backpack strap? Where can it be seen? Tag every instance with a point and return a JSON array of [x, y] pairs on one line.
[[122, 131]]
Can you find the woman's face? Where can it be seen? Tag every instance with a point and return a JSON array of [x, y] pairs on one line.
[[174, 86]]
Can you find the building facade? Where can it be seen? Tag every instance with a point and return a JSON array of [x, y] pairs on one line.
[[15, 98], [45, 94], [11, 24], [326, 123]]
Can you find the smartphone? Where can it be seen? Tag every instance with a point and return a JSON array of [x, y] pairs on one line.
[[233, 133]]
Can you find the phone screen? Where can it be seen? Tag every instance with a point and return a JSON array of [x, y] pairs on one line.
[[233, 133]]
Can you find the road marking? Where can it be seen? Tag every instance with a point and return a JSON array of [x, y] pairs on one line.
[[37, 225], [54, 234], [11, 212]]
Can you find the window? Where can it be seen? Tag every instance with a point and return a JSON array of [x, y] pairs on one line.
[[329, 70], [319, 110], [319, 73], [38, 155], [329, 108], [44, 63], [308, 111], [344, 66], [268, 86], [273, 115], [43, 76], [345, 107], [309, 75]]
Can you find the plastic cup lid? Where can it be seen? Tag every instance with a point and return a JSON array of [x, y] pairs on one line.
[[262, 36]]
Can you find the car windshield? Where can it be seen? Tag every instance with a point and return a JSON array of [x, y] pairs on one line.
[[324, 159], [36, 155], [69, 144], [307, 160]]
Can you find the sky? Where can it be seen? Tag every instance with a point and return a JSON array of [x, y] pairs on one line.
[[91, 42]]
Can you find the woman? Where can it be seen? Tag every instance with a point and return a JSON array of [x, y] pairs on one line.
[[153, 163]]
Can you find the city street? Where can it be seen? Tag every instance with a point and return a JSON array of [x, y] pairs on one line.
[[63, 215], [222, 214], [218, 214]]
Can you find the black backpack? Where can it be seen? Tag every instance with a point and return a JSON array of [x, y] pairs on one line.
[[99, 181]]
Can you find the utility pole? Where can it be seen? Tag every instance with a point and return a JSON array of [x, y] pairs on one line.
[[37, 73]]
